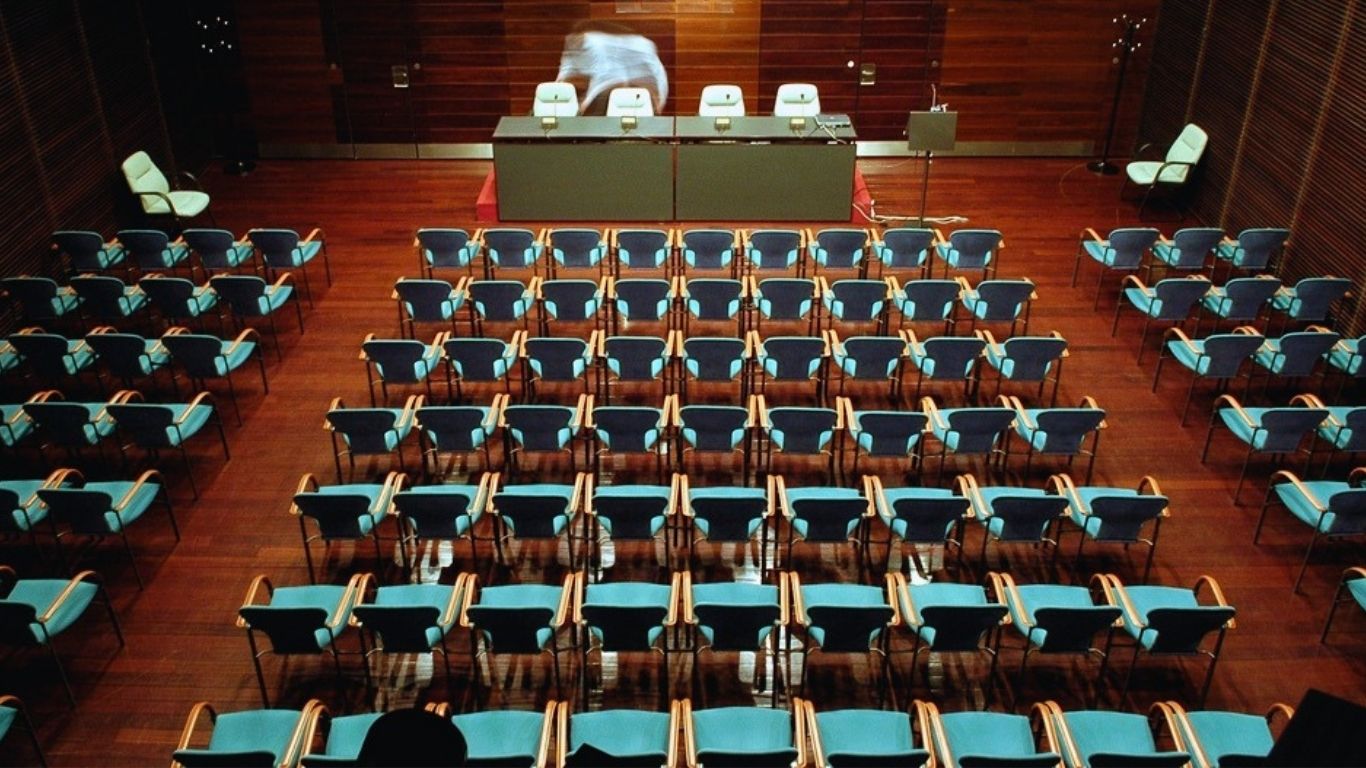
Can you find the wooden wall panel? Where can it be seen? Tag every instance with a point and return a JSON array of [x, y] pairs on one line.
[[1036, 74], [1177, 47], [903, 38], [1282, 93], [289, 74], [462, 88], [1328, 226], [1040, 71], [810, 41], [77, 95], [1291, 90], [717, 47], [1223, 89]]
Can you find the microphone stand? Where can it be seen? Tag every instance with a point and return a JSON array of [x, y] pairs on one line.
[[1126, 46]]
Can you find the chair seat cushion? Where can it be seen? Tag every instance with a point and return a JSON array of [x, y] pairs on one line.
[[501, 735], [187, 202], [869, 733], [1302, 508], [989, 735], [41, 593], [1223, 734], [621, 734]]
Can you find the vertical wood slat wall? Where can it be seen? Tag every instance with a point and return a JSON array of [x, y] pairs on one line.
[[77, 95], [1037, 74], [1281, 91]]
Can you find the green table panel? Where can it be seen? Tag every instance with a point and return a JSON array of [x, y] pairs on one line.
[[584, 182], [764, 182]]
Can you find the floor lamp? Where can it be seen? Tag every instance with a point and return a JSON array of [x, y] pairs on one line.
[[1126, 46]]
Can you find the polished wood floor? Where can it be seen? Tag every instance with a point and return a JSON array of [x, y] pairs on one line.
[[183, 646]]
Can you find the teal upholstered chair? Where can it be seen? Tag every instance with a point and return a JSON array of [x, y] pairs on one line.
[[1169, 301], [446, 248], [342, 512], [757, 737], [408, 618], [1352, 589], [1058, 618], [1333, 509], [846, 618], [1101, 738], [1120, 251], [98, 510], [517, 618], [202, 357], [1278, 431], [254, 738], [33, 612], [943, 617], [306, 620], [1219, 739], [618, 737], [14, 714], [442, 512], [283, 249], [1172, 621], [965, 739], [1106, 514], [369, 432], [1219, 356], [154, 427], [629, 617], [737, 617], [859, 737]]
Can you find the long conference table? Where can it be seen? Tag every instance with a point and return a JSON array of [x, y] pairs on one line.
[[674, 169]]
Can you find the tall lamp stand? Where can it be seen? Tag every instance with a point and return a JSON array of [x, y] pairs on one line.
[[1126, 46]]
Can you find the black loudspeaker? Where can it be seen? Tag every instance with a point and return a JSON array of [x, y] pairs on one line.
[[1325, 731]]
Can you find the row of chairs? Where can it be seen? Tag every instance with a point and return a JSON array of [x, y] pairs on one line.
[[1172, 301], [754, 432], [1191, 249], [826, 362], [129, 358], [749, 302], [1281, 430], [584, 514], [66, 506], [97, 300], [578, 618], [127, 418], [753, 736], [679, 251], [1222, 358], [214, 250]]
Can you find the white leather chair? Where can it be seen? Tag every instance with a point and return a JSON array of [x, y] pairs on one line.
[[722, 101], [556, 100], [635, 102], [152, 189], [797, 100], [1174, 170]]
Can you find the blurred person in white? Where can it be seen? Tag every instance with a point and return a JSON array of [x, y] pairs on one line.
[[601, 55]]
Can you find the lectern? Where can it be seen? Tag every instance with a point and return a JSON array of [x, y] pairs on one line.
[[927, 132]]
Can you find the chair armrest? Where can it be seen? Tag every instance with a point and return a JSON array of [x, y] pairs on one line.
[[284, 277], [162, 195], [146, 477], [1237, 408], [1216, 593], [198, 399], [191, 721], [566, 597], [675, 599], [194, 180], [65, 595], [316, 232], [1133, 279]]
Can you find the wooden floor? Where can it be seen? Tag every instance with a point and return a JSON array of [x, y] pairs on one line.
[[183, 646]]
